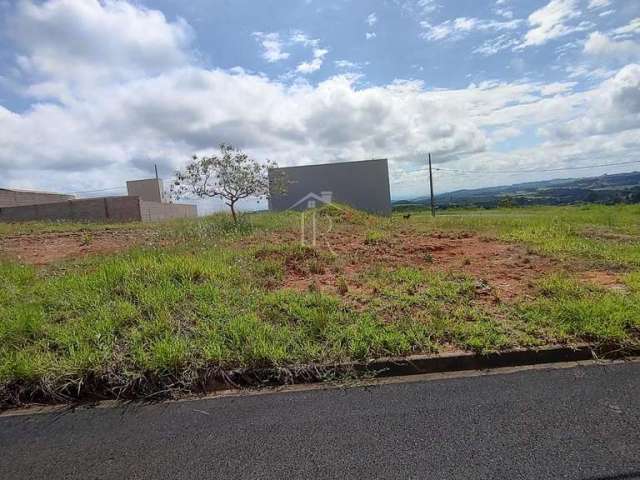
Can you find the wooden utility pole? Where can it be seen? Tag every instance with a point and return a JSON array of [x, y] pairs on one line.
[[156, 167], [433, 205]]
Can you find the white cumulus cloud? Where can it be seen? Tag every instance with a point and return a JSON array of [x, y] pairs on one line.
[[272, 46], [612, 107], [314, 64], [551, 21], [81, 43], [600, 45], [141, 107]]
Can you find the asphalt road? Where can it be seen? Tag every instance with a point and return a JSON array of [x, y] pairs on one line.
[[577, 423]]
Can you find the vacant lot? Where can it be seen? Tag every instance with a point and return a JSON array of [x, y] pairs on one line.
[[136, 310]]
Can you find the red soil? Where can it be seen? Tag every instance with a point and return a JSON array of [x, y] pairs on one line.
[[503, 271], [45, 248]]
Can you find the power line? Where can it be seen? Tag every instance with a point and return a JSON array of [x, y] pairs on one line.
[[105, 189], [454, 170], [98, 190], [440, 169]]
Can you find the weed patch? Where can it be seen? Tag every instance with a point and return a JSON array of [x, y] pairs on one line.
[[375, 237]]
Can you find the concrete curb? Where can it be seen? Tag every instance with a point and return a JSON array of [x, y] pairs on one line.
[[214, 380], [425, 364], [459, 361]]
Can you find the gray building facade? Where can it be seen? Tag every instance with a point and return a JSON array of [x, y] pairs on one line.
[[363, 185]]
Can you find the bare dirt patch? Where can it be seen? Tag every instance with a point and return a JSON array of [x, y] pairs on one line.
[[45, 248], [610, 280], [504, 272], [501, 269]]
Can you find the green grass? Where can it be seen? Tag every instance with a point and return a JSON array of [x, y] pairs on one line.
[[164, 312], [207, 297], [567, 309], [437, 307], [603, 235], [375, 237]]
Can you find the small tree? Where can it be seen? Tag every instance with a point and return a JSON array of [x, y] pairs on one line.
[[231, 175]]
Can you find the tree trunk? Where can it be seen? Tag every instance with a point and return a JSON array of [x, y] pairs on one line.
[[233, 212]]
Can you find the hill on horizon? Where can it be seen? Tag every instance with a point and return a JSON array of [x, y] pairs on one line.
[[604, 189]]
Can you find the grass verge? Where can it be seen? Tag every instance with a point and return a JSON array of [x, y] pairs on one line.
[[176, 315]]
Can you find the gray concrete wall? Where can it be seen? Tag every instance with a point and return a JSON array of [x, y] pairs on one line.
[[156, 211], [113, 209], [363, 185], [150, 189], [104, 209], [16, 198]]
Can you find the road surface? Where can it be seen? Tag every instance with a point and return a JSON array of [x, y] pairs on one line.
[[571, 423]]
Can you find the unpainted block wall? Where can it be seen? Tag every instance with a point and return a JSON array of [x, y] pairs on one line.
[[156, 211], [363, 185], [14, 198], [149, 190], [114, 209]]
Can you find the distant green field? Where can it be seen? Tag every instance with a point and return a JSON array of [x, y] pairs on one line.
[[210, 294]]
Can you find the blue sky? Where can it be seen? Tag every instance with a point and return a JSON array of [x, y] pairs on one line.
[[404, 47], [95, 92]]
